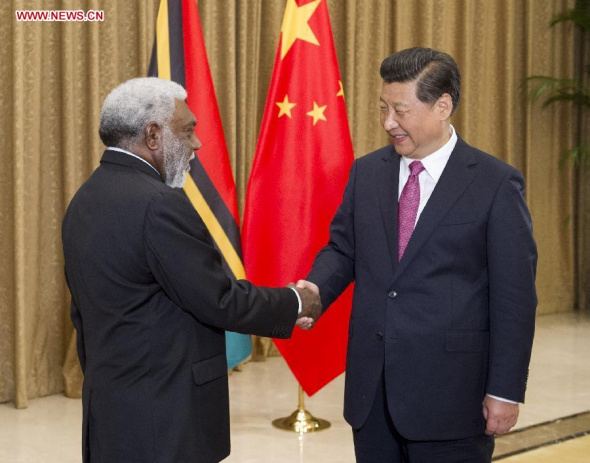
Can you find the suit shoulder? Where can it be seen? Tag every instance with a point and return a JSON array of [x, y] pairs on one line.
[[170, 201], [491, 164], [383, 153], [137, 184], [112, 186], [170, 196]]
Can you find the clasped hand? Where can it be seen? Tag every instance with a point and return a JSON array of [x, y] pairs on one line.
[[311, 304]]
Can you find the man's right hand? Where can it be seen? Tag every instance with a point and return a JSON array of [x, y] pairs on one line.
[[311, 304]]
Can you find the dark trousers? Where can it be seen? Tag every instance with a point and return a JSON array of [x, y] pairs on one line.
[[378, 441]]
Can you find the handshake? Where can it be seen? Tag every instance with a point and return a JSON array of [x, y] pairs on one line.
[[311, 305]]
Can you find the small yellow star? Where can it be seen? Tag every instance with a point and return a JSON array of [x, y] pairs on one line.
[[317, 113], [285, 107], [341, 91], [295, 25]]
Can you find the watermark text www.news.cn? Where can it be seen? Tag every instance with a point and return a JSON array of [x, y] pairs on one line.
[[59, 15]]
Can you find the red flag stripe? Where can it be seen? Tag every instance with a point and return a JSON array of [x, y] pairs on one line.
[[201, 99]]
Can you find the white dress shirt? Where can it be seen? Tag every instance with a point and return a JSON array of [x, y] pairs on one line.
[[434, 164]]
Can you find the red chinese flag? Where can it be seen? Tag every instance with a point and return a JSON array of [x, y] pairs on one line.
[[303, 157]]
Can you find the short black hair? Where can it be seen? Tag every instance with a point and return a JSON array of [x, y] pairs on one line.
[[437, 73]]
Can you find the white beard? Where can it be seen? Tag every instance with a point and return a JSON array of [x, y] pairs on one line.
[[175, 166]]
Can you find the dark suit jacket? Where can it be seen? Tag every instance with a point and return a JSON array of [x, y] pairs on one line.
[[454, 319], [150, 303]]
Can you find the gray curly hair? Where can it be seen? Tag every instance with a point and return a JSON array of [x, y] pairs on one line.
[[131, 106]]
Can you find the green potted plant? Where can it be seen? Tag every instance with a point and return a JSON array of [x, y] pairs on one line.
[[576, 92], [555, 90]]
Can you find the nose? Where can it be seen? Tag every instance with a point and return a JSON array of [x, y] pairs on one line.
[[197, 144], [390, 123]]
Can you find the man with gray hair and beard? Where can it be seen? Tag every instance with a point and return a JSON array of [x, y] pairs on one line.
[[150, 300]]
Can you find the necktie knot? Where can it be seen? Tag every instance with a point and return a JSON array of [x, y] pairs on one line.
[[416, 167]]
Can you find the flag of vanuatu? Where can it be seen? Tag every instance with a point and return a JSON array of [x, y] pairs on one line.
[[179, 55]]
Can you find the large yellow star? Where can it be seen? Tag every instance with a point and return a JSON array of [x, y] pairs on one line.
[[285, 107], [295, 25], [317, 113]]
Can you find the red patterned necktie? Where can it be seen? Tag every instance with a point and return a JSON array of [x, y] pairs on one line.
[[408, 207]]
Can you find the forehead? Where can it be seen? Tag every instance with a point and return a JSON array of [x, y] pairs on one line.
[[399, 93], [182, 114]]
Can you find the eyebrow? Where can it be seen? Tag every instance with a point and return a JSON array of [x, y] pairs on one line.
[[395, 104]]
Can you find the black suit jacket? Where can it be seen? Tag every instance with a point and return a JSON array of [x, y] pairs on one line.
[[150, 303], [454, 319]]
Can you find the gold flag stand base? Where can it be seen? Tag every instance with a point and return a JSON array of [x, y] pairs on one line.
[[301, 421]]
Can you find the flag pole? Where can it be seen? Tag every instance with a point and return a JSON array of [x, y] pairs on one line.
[[301, 421]]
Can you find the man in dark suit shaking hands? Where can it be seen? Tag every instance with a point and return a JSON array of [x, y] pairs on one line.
[[150, 300], [438, 239]]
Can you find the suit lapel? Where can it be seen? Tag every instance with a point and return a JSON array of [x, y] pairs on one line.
[[387, 184], [456, 176]]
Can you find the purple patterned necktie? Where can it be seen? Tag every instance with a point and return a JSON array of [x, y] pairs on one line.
[[408, 207]]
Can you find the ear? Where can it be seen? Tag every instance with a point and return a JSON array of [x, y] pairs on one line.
[[153, 136], [444, 106]]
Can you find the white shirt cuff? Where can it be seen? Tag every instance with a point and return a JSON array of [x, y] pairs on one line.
[[298, 300], [501, 399]]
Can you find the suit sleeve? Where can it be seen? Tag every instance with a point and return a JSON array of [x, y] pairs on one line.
[[333, 267], [76, 318], [80, 346], [181, 255], [512, 262]]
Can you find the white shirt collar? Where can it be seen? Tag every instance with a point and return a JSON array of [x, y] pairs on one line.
[[121, 150], [435, 163]]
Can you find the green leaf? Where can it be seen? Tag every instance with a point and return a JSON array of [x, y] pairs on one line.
[[577, 98], [578, 156], [559, 90], [579, 16]]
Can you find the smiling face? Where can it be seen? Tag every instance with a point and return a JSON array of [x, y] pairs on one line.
[[415, 128]]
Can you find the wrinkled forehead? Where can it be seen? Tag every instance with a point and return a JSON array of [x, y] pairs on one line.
[[398, 93]]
